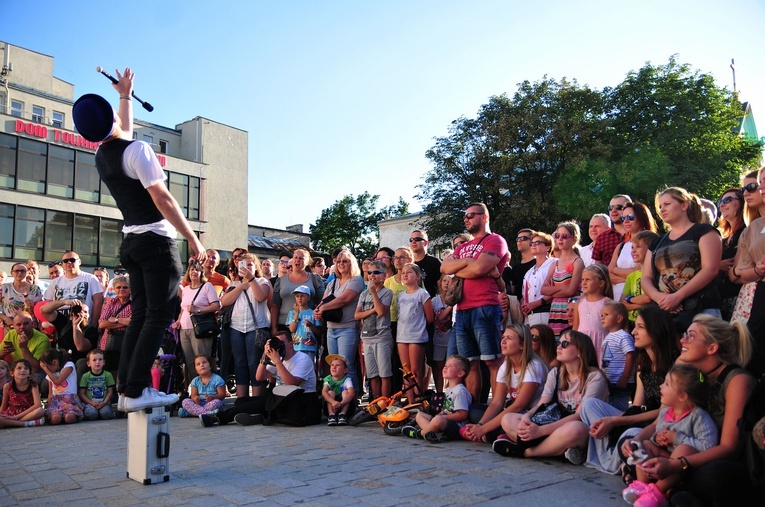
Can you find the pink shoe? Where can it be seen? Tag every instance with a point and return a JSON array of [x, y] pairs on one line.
[[634, 491], [652, 498]]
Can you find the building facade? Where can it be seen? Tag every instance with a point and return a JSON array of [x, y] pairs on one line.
[[51, 197]]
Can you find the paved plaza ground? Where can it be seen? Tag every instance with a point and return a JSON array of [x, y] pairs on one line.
[[85, 464]]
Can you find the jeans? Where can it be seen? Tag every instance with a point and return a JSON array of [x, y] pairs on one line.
[[225, 353], [154, 266], [479, 331], [345, 341], [246, 356]]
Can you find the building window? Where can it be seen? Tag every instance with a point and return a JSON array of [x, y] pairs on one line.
[[147, 139], [38, 114], [87, 184], [60, 171], [162, 146], [17, 108], [86, 239], [179, 187], [6, 231], [194, 193], [58, 120], [111, 238], [106, 195], [32, 158], [7, 161], [58, 234], [30, 226]]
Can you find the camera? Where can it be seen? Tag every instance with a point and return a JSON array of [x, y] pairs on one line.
[[76, 310], [276, 344]]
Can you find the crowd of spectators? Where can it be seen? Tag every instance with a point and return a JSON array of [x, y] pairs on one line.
[[594, 353]]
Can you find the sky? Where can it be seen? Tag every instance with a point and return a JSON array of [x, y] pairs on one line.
[[341, 97]]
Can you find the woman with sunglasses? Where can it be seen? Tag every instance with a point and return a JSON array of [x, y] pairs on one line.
[[535, 306], [750, 267], [636, 217], [681, 265], [656, 346], [564, 276], [18, 295], [754, 208], [716, 476], [578, 379], [731, 222]]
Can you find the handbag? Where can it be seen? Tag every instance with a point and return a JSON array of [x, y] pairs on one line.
[[114, 337], [549, 412], [455, 291], [335, 314], [205, 324]]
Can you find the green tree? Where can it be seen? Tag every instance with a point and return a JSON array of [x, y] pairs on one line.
[[352, 222], [688, 118], [510, 155]]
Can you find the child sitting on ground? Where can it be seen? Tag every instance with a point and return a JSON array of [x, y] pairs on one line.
[[373, 311], [208, 390], [454, 415], [338, 391], [618, 359], [97, 388], [303, 326], [633, 296], [63, 402], [682, 428], [21, 405]]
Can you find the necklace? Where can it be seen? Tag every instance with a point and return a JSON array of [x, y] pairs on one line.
[[706, 374]]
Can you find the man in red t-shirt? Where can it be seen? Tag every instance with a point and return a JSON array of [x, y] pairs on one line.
[[478, 324], [606, 242]]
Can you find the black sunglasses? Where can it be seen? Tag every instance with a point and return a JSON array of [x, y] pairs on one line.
[[563, 344], [750, 187], [618, 207], [629, 217], [518, 239], [726, 200], [412, 240], [469, 216], [375, 272], [67, 261]]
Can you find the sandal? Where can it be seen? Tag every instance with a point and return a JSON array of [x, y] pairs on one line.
[[627, 475]]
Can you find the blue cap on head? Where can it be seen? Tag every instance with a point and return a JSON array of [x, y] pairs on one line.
[[93, 117]]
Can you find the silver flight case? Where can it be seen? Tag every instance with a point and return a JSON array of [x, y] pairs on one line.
[[148, 445]]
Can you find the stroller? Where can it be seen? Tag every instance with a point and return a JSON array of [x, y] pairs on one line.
[[170, 364]]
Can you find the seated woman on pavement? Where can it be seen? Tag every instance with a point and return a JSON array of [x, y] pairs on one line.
[[576, 380], [518, 385]]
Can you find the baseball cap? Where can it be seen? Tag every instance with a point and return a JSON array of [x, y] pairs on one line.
[[302, 289], [332, 357]]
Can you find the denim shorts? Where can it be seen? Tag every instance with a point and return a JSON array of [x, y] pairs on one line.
[[479, 331]]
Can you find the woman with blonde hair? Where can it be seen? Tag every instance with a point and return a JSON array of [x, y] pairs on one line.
[[343, 334], [681, 265], [518, 385]]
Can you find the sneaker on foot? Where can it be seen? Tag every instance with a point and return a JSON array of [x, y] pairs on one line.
[[634, 491], [506, 447], [342, 420], [435, 437], [248, 419], [411, 431], [149, 398], [182, 412], [35, 422], [208, 420], [331, 420], [575, 456], [121, 403], [652, 498]]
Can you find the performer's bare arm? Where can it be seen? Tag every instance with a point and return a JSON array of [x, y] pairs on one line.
[[124, 87]]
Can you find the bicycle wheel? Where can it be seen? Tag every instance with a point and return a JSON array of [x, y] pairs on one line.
[[393, 428], [362, 416]]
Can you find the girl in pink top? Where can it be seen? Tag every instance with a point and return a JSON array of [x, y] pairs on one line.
[[596, 291]]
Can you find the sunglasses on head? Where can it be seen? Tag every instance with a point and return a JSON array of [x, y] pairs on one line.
[[617, 207], [750, 187], [564, 343], [558, 235], [469, 216], [120, 271], [518, 239]]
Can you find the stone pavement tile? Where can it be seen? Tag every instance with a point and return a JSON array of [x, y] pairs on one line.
[[371, 484], [22, 486], [71, 495], [44, 501], [266, 489], [163, 500], [123, 501]]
